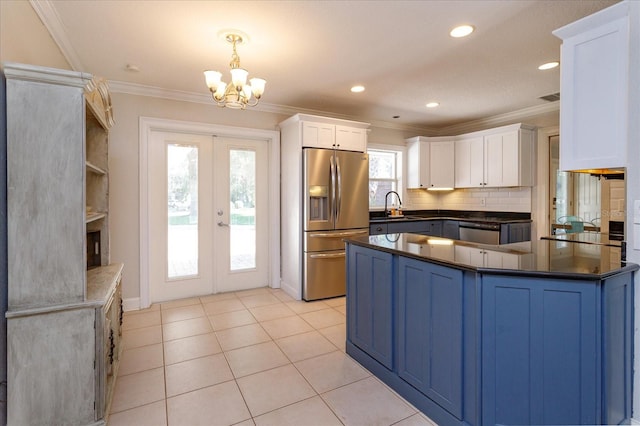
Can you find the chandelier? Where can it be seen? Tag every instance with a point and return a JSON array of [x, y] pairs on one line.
[[237, 94]]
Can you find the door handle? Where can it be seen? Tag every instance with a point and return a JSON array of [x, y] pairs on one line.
[[221, 223], [338, 234], [327, 256]]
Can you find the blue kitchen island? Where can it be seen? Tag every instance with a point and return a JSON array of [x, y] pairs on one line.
[[528, 333]]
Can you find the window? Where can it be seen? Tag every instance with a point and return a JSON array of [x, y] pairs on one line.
[[385, 174]]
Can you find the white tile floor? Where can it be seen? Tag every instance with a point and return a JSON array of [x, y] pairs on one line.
[[255, 357]]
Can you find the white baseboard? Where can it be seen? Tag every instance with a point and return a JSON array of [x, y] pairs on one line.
[[132, 304], [291, 290]]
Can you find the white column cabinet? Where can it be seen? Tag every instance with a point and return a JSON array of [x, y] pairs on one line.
[[501, 157], [595, 83], [430, 163]]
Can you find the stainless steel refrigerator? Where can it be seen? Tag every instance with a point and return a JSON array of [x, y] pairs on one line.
[[336, 206]]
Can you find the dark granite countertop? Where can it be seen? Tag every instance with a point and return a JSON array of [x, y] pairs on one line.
[[587, 238], [545, 258], [466, 216]]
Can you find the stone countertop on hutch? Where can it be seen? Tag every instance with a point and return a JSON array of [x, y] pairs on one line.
[[101, 281], [547, 258]]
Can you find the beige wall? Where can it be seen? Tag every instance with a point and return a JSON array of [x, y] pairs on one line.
[[24, 39]]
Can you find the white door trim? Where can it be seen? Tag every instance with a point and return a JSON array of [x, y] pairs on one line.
[[272, 137]]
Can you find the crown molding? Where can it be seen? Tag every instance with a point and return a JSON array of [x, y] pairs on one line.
[[500, 119], [183, 96], [49, 17]]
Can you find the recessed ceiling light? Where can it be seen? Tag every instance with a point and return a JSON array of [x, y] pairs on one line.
[[549, 65], [432, 104], [461, 31], [357, 89]]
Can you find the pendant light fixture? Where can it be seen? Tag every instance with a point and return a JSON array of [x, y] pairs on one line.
[[238, 93]]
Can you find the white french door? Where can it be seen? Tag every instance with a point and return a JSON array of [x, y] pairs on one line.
[[208, 215], [241, 212]]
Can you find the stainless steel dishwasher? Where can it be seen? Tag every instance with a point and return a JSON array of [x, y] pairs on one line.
[[482, 233]]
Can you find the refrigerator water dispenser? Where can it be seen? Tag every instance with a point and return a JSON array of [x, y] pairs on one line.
[[318, 203]]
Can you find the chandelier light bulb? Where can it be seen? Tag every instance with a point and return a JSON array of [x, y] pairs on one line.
[[237, 94]]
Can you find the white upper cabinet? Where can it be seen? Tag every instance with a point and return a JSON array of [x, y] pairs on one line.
[[323, 132], [351, 139], [469, 162], [318, 135], [595, 83], [430, 163], [501, 157]]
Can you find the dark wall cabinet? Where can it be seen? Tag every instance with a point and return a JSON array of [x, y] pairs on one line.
[[515, 232]]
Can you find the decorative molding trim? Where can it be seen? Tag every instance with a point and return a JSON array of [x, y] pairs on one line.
[[49, 17], [500, 119], [43, 74], [127, 88], [457, 129]]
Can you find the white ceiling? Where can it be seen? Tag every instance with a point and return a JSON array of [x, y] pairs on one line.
[[312, 52]]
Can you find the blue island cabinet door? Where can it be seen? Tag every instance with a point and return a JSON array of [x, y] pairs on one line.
[[539, 351], [370, 302], [430, 331]]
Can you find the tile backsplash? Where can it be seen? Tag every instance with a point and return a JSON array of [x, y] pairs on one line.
[[517, 199]]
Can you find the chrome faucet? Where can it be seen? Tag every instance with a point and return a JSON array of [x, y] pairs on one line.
[[386, 197]]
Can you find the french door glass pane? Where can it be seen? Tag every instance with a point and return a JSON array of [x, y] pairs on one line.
[[242, 181], [182, 210]]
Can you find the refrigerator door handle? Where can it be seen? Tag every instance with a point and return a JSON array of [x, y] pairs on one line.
[[327, 255], [332, 172], [339, 190], [338, 234]]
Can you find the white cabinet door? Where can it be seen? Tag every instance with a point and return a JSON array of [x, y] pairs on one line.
[[418, 165], [441, 164], [351, 139], [469, 163], [595, 84], [495, 160], [502, 159], [318, 135]]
